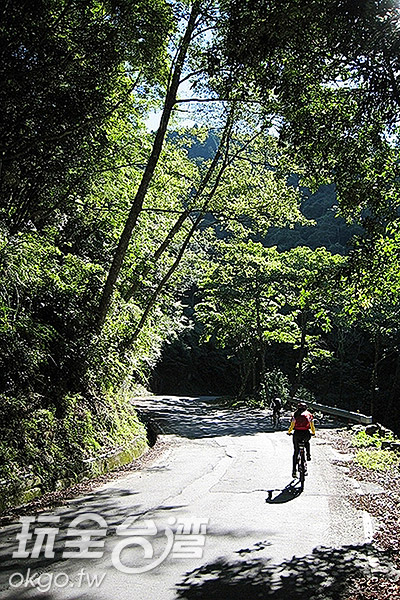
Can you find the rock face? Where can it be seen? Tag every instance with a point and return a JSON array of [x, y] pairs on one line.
[[377, 428], [372, 429], [391, 446], [97, 465]]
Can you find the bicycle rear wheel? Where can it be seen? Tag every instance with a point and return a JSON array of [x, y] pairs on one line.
[[301, 465]]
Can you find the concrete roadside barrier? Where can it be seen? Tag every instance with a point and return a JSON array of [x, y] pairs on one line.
[[341, 413]]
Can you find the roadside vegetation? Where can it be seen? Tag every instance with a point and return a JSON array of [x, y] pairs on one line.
[[373, 465], [372, 456]]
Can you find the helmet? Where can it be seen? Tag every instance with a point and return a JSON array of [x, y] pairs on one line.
[[301, 405]]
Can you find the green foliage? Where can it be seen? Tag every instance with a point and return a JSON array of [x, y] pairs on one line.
[[372, 456], [378, 460], [362, 440], [304, 394], [67, 67], [255, 297], [246, 402], [275, 384], [46, 300], [77, 84]]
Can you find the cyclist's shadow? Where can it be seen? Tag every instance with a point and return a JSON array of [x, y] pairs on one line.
[[290, 492]]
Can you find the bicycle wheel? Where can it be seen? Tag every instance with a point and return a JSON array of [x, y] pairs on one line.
[[301, 465]]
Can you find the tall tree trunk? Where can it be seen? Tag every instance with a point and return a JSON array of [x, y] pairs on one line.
[[341, 336], [302, 350], [374, 375], [245, 373], [261, 343], [137, 204], [157, 254], [392, 411]]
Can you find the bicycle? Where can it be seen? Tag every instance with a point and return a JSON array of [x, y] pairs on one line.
[[302, 463]]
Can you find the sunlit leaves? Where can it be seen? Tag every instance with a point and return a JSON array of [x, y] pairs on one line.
[[255, 291], [67, 67]]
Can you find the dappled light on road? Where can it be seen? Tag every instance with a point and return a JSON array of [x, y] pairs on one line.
[[226, 468], [323, 575], [205, 417]]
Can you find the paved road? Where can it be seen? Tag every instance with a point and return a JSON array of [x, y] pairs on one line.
[[223, 479]]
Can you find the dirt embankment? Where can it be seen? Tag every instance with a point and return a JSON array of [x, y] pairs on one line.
[[385, 508]]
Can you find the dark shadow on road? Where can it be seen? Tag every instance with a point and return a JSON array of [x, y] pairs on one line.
[[106, 504], [290, 492], [203, 417], [323, 575]]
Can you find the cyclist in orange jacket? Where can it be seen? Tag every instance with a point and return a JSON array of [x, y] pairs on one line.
[[303, 425]]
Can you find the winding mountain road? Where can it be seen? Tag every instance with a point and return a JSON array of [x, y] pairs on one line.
[[222, 480]]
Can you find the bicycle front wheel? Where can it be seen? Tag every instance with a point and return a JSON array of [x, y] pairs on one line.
[[302, 467]]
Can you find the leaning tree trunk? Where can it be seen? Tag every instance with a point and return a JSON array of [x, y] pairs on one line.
[[189, 235], [137, 204], [157, 254], [226, 161]]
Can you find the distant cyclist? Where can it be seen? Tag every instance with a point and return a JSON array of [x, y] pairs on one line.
[[303, 425], [276, 406]]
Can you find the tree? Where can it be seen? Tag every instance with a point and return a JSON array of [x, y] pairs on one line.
[[373, 304], [255, 297], [278, 67], [337, 90], [137, 204], [64, 74]]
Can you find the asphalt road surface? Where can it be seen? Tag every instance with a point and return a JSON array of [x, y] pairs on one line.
[[216, 515]]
